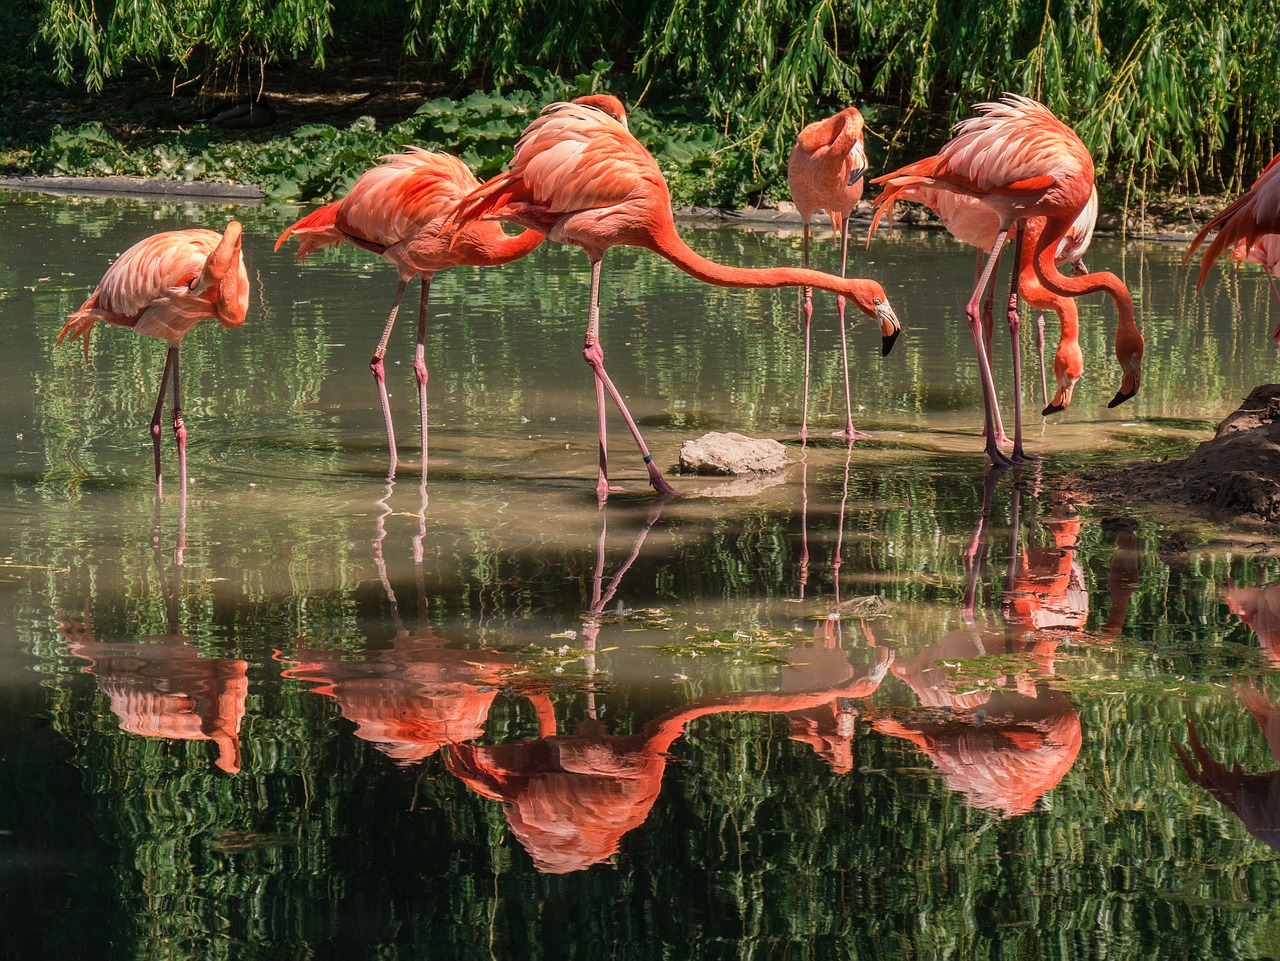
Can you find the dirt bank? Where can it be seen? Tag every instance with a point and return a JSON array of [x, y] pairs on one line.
[[1234, 478]]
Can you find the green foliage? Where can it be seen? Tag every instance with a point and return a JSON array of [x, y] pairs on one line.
[[222, 38]]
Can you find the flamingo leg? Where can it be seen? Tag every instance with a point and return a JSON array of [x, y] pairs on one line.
[[159, 411], [974, 320], [975, 551], [808, 320], [802, 576], [850, 433], [989, 328], [379, 371], [593, 354], [1015, 331], [1044, 380], [1275, 334], [179, 428], [420, 367]]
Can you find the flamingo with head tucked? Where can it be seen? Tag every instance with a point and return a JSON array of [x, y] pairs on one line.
[[1022, 162], [162, 287], [824, 172], [398, 210], [581, 178]]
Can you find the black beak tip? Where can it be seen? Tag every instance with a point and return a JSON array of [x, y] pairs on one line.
[[1120, 398], [886, 343], [1052, 409], [855, 176]]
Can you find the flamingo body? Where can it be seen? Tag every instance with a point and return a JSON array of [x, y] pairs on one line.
[[399, 210], [825, 172], [161, 287]]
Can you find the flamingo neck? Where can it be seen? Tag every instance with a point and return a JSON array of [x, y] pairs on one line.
[[664, 241], [503, 248], [1047, 271]]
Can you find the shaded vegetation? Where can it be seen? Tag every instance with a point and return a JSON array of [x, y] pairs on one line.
[[1172, 94]]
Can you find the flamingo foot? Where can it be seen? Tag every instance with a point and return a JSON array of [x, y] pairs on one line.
[[851, 434], [999, 459], [659, 483]]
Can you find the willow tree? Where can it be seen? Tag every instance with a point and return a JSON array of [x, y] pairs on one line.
[[219, 44]]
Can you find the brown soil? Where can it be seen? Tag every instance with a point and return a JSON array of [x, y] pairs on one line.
[[1235, 477]]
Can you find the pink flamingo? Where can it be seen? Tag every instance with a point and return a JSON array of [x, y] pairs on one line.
[[825, 172], [1022, 162], [398, 210], [1247, 229], [162, 287], [579, 177]]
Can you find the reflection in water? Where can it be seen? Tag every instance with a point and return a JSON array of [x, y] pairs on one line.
[[1253, 798], [1004, 747], [1259, 608], [163, 686], [570, 798]]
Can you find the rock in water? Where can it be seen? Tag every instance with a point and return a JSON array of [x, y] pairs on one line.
[[727, 453]]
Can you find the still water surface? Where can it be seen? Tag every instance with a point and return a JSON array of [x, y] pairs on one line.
[[877, 706]]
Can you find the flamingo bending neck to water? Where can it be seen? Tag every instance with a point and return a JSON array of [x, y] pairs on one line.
[[1022, 162], [581, 178]]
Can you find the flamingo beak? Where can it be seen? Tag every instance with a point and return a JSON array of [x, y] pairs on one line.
[[858, 156], [1121, 397], [889, 327]]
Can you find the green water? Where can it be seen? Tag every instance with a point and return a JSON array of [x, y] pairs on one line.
[[872, 707]]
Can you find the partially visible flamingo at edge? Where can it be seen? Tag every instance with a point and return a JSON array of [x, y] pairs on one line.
[[581, 178], [161, 287], [1249, 230]]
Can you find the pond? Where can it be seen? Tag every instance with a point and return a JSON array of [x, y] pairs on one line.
[[879, 705]]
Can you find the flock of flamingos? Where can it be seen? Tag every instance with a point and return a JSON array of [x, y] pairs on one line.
[[579, 177]]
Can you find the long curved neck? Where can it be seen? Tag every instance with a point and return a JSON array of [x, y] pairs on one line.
[[665, 242], [1047, 271], [503, 248]]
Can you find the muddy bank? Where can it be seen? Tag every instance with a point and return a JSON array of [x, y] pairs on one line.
[[1234, 477]]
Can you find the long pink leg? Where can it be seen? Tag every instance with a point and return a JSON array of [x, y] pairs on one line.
[[159, 411], [850, 433], [974, 320], [420, 368], [1044, 377], [380, 374], [808, 320], [593, 354], [179, 428], [976, 550], [989, 327], [1015, 330]]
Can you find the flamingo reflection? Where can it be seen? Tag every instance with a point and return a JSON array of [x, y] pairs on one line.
[[1003, 747], [1253, 798], [1259, 608], [570, 798], [163, 685]]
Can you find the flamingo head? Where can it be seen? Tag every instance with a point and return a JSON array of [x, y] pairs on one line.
[[1068, 366], [872, 301], [224, 274], [606, 104], [1129, 354]]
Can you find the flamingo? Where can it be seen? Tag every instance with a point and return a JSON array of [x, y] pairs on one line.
[[973, 222], [1249, 230], [1022, 162], [397, 210], [824, 172], [161, 287], [581, 178]]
